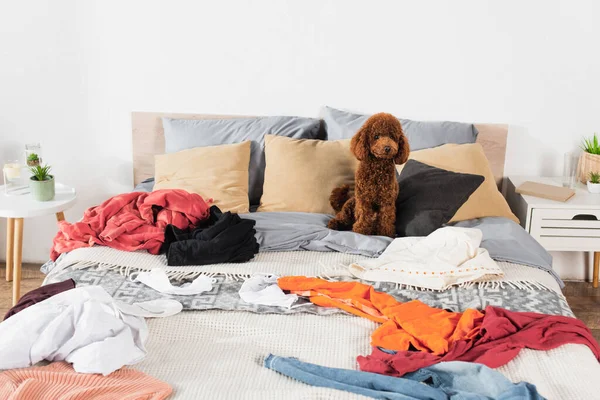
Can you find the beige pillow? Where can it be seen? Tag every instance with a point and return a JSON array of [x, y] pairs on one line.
[[486, 201], [301, 173], [217, 172]]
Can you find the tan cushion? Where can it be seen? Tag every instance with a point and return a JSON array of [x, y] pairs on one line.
[[486, 201], [301, 173], [217, 172]]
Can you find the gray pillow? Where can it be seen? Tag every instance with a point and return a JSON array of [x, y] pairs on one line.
[[421, 134], [181, 134], [145, 186]]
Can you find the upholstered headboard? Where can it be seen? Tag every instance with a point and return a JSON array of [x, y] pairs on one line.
[[148, 140]]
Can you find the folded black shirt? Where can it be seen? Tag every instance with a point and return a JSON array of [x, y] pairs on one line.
[[222, 238]]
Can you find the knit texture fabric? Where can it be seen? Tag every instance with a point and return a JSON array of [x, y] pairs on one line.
[[58, 381], [219, 355]]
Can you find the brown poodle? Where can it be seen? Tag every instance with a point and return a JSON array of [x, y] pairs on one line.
[[379, 144]]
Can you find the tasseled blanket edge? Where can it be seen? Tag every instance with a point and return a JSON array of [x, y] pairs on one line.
[[330, 274], [178, 276]]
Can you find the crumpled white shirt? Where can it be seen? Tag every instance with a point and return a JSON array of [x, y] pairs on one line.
[[83, 326], [263, 289]]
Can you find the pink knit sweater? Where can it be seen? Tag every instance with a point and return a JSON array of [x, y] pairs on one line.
[[58, 381]]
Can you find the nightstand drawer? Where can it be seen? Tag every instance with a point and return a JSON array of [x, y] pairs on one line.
[[566, 229]]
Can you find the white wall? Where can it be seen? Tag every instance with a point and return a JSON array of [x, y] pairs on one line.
[[71, 72]]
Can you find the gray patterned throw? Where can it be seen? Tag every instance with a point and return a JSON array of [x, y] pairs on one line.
[[224, 295]]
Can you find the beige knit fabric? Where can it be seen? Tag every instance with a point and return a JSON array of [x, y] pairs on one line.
[[219, 354], [58, 381]]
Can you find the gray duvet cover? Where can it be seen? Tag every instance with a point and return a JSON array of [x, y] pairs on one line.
[[289, 231]]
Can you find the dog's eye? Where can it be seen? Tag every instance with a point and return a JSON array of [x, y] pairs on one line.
[[376, 136]]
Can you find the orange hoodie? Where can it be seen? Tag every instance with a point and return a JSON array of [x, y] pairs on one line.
[[403, 324]]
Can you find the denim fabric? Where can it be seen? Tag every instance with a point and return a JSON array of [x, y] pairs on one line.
[[448, 380], [472, 381], [364, 383]]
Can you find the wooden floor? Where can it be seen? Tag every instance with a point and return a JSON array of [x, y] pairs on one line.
[[582, 297], [31, 278], [585, 303]]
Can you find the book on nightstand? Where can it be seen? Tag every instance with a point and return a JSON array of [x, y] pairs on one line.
[[544, 191]]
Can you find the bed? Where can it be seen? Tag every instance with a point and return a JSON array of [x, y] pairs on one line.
[[216, 348]]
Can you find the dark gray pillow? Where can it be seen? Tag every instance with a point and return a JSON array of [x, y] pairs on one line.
[[429, 197], [421, 134], [181, 134]]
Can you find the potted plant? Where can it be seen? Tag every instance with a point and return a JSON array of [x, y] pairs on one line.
[[589, 161], [593, 184], [41, 183], [33, 160]]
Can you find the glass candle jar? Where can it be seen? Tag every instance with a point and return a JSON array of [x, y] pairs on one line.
[[13, 181], [569, 178]]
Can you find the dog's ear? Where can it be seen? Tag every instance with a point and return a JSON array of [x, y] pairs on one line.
[[403, 149], [359, 145]]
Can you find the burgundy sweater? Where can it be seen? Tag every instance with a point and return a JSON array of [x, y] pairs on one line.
[[503, 334]]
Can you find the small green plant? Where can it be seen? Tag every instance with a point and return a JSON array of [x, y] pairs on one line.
[[33, 157], [595, 177], [40, 173], [591, 145]]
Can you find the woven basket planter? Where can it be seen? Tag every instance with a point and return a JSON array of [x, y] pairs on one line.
[[587, 163]]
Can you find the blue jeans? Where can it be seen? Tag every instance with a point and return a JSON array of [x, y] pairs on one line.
[[447, 380]]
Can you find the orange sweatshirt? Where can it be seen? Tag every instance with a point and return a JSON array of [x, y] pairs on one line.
[[403, 324], [58, 381]]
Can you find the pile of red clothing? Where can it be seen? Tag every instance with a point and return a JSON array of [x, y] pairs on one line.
[[132, 221]]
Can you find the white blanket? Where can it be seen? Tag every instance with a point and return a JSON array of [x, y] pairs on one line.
[[448, 256], [83, 326], [219, 355]]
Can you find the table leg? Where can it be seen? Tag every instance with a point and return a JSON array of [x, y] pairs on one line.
[[10, 238], [596, 268], [60, 216], [18, 255]]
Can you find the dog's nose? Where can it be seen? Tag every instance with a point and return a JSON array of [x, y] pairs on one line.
[[387, 149]]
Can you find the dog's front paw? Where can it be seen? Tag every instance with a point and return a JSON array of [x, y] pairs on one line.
[[338, 225], [389, 231], [334, 224]]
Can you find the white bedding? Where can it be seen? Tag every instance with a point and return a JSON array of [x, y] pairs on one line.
[[218, 354]]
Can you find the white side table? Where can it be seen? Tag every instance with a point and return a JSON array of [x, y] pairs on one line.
[[15, 209], [573, 225]]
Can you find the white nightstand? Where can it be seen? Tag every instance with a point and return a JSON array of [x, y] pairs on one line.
[[573, 225], [15, 209]]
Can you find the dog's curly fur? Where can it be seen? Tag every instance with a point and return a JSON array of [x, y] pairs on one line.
[[378, 145]]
